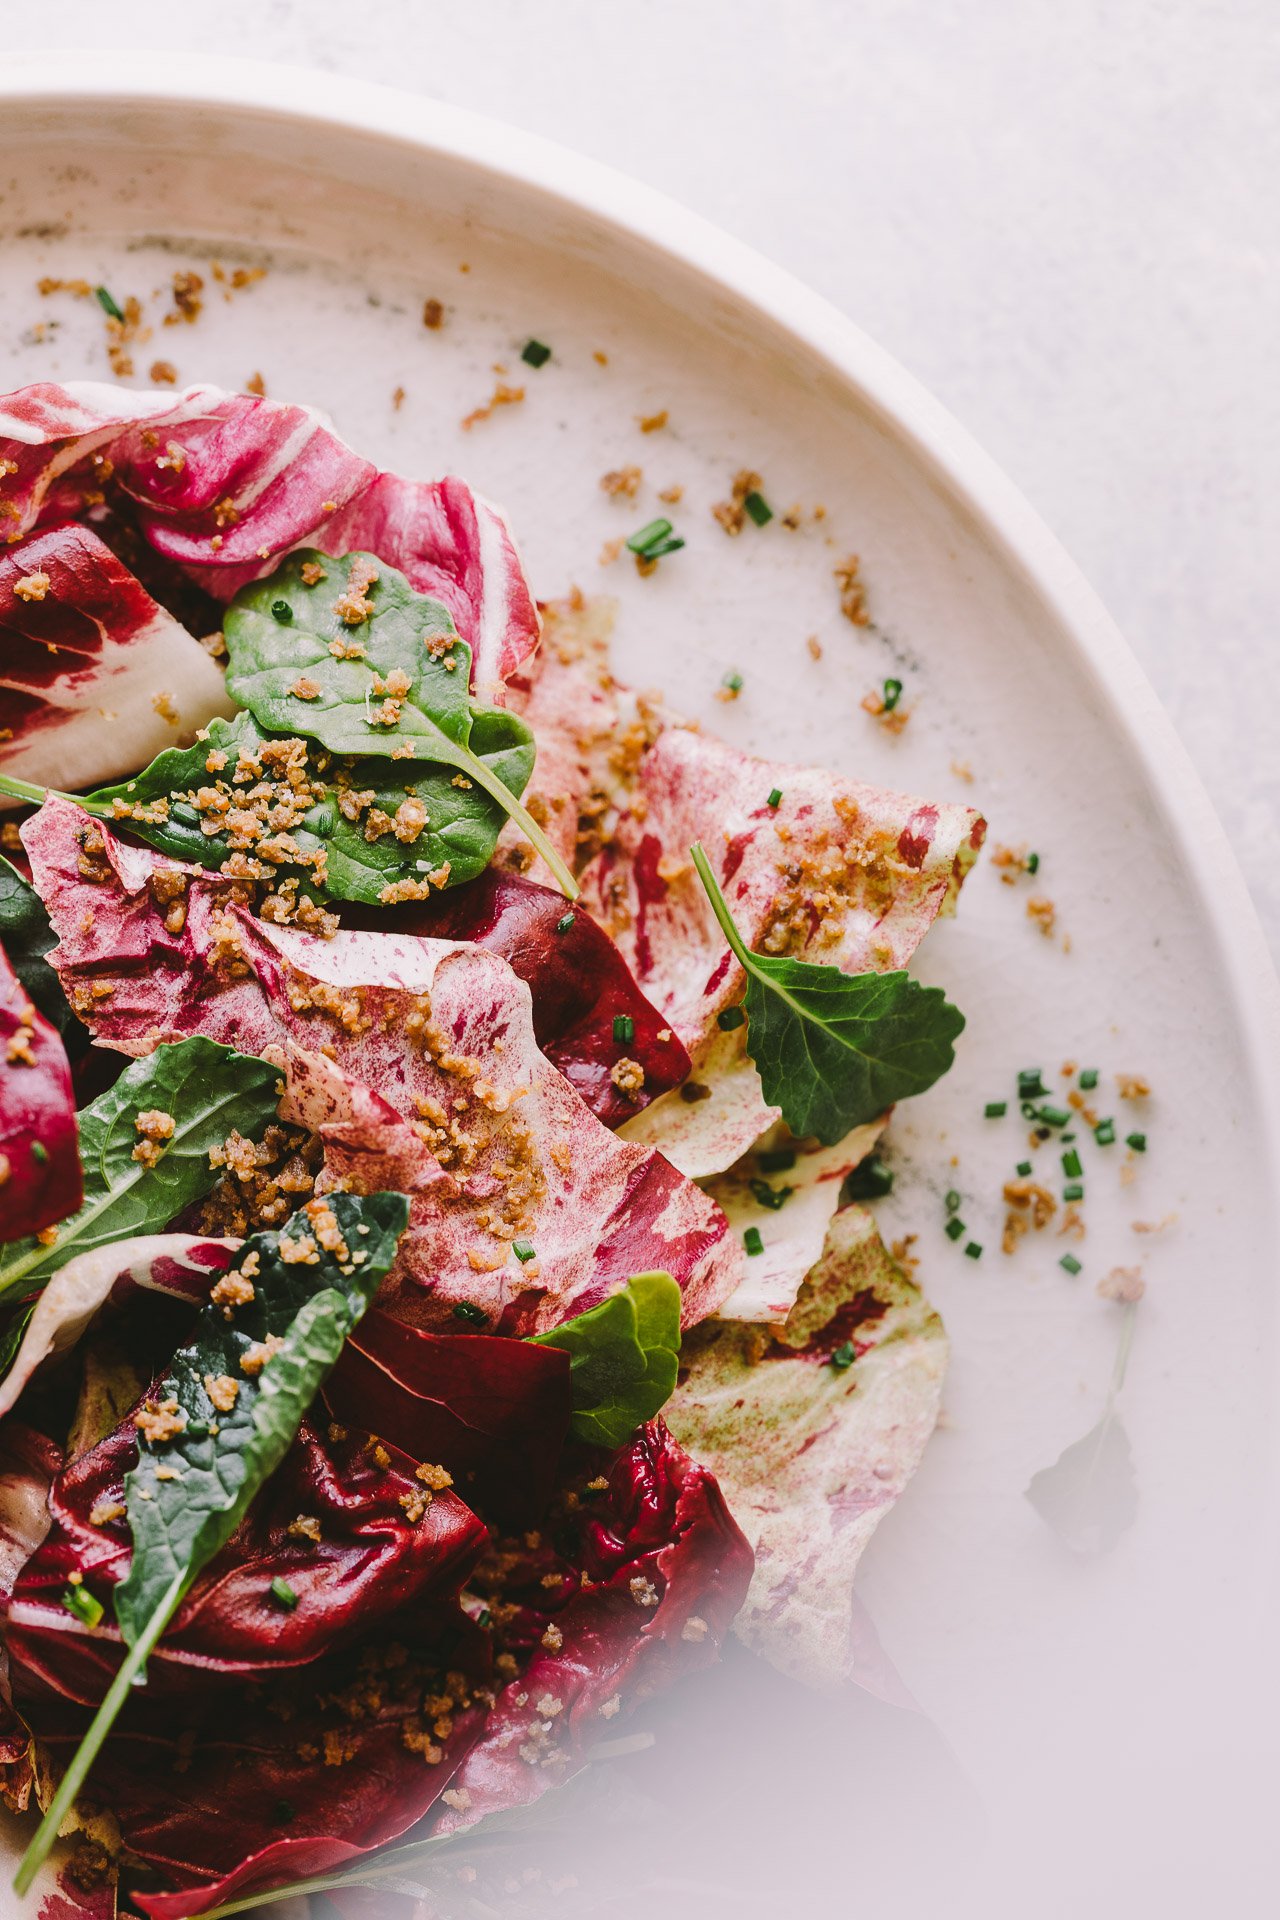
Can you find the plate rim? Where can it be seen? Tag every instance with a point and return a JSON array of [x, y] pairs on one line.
[[226, 83]]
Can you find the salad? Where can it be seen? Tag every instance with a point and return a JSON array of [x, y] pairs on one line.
[[439, 1097]]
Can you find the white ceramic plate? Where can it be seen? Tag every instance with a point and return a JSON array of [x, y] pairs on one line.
[[1085, 1725]]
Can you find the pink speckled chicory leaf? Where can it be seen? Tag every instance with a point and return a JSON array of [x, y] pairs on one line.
[[811, 1450], [95, 678], [225, 483], [41, 1178], [522, 1158], [836, 872]]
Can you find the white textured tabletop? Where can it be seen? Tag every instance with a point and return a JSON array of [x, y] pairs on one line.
[[1065, 220]]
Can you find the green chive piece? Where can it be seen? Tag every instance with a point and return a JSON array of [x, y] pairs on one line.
[[1069, 1263], [732, 681], [952, 1201], [39, 1152], [564, 923], [1024, 1169], [524, 1251], [778, 1160], [1032, 863], [672, 544], [465, 1310], [843, 1356], [1089, 1078], [758, 507], [1030, 1085], [1105, 1133], [649, 536], [86, 1606], [871, 1179], [484, 1618], [107, 304], [534, 354], [1071, 1165], [775, 796], [1138, 1141], [892, 694], [995, 1110], [283, 612], [751, 1240], [730, 1017], [1074, 1191], [1054, 1116], [624, 1028], [973, 1251], [771, 1197], [283, 1594], [954, 1228]]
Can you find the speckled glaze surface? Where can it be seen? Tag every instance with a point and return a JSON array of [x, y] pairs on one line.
[[1070, 1711]]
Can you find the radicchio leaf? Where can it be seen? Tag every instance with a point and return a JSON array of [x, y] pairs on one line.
[[417, 1020], [884, 865], [95, 677], [580, 984], [813, 1434], [40, 1178]]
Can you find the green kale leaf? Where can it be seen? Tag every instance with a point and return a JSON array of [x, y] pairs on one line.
[[623, 1357]]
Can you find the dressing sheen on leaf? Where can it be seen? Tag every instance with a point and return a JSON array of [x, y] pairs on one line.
[[208, 1091], [835, 1049], [222, 1420], [363, 663], [623, 1358]]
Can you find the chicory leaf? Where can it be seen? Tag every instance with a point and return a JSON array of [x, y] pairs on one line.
[[358, 660], [26, 936], [623, 1358], [835, 1049], [221, 1421], [208, 1091]]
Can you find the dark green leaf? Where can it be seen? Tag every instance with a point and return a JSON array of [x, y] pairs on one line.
[[623, 1357], [27, 937], [396, 679], [835, 1049], [210, 1091]]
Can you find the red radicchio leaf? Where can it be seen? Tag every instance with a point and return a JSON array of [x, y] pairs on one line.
[[651, 1583], [83, 641], [40, 1180], [498, 1145], [493, 1411], [371, 1561], [225, 483], [579, 982]]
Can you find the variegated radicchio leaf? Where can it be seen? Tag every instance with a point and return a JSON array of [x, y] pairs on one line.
[[40, 1179], [525, 1209]]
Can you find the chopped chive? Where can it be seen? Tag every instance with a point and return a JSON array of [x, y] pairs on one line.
[[1024, 1169], [1071, 1165], [732, 681], [534, 354], [1032, 863], [624, 1028], [1105, 1133], [1074, 1191], [283, 1594], [672, 544], [465, 1310], [843, 1356], [973, 1251], [751, 1240], [484, 1617], [870, 1180], [1138, 1141], [1066, 1138], [758, 507], [39, 1152], [954, 1228], [86, 1606], [1030, 1084], [952, 1201], [1029, 1110], [1069, 1263], [730, 1017], [775, 796], [892, 694], [564, 923], [283, 612], [107, 304], [524, 1251], [777, 1160], [995, 1110], [1054, 1116], [1088, 1078], [771, 1197], [649, 536]]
